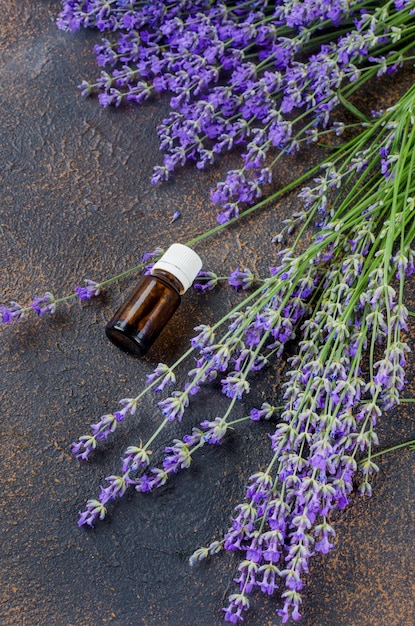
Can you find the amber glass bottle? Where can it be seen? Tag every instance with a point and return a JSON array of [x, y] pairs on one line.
[[140, 320]]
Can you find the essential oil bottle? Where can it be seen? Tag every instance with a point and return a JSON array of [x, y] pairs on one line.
[[140, 320]]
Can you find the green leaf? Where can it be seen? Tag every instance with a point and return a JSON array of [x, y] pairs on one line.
[[350, 107]]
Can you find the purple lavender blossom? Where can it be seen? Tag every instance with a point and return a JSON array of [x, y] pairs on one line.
[[265, 412], [134, 458], [235, 385], [14, 312], [206, 281], [204, 338], [105, 427], [176, 215], [129, 406], [215, 430], [174, 406], [94, 510], [177, 456], [90, 290], [44, 304], [242, 279], [163, 375], [84, 446], [102, 429], [238, 602], [152, 255]]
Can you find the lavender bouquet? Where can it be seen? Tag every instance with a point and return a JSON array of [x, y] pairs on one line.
[[266, 79]]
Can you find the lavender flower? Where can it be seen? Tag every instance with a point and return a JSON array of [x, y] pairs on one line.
[[176, 216], [44, 304], [265, 412], [152, 255], [102, 429], [163, 375], [206, 281], [94, 510], [13, 312], [174, 406], [135, 457], [242, 279], [90, 290], [84, 446]]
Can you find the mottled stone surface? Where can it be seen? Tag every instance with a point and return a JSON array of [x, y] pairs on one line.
[[76, 202]]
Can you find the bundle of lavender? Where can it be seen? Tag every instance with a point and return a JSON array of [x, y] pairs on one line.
[[342, 300], [258, 75], [267, 77]]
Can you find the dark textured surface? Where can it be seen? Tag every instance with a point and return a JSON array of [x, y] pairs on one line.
[[76, 202]]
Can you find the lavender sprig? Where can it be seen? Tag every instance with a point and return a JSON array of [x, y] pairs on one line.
[[48, 303]]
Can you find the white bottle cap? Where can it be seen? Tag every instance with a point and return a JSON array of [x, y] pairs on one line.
[[182, 262]]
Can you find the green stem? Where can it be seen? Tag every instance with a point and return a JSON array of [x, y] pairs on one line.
[[407, 444], [156, 433]]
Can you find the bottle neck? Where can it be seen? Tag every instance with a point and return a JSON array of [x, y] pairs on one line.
[[169, 279]]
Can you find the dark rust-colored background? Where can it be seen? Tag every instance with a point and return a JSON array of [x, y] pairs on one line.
[[76, 202]]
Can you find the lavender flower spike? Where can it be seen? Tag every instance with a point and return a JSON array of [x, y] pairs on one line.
[[90, 290], [94, 510], [44, 304], [12, 313]]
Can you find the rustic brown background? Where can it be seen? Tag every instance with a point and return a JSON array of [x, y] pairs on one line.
[[76, 202]]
